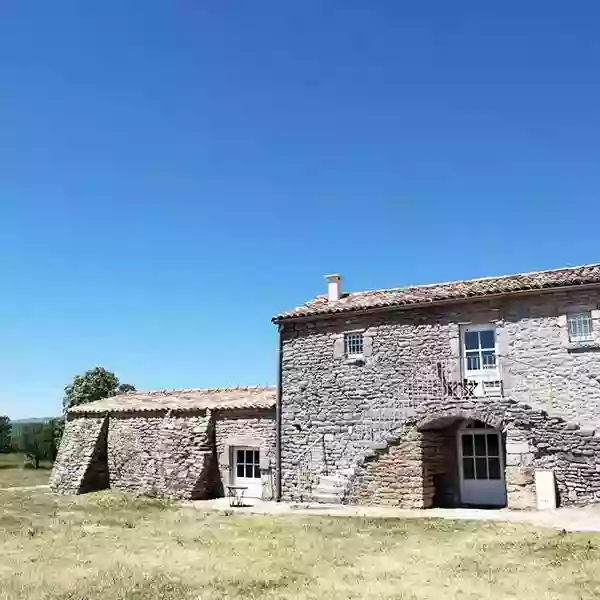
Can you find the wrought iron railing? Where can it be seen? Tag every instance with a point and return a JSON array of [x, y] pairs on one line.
[[309, 464], [536, 384], [428, 381]]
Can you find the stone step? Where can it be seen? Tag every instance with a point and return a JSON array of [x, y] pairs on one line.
[[347, 472], [331, 487], [375, 444], [336, 479], [325, 498], [379, 445]]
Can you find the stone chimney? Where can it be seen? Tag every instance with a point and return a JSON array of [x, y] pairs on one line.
[[334, 287]]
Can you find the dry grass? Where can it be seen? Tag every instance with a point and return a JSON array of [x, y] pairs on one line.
[[110, 545], [14, 474]]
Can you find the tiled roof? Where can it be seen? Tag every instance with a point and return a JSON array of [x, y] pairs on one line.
[[183, 400], [443, 292]]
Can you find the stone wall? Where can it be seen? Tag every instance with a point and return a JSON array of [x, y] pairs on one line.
[[543, 368], [162, 454], [324, 394], [246, 428], [80, 465], [132, 440], [403, 474], [520, 487]]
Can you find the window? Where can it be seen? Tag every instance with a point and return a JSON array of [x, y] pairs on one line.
[[353, 344], [580, 326], [481, 456], [479, 349], [247, 463]]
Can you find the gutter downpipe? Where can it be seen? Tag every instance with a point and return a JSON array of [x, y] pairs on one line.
[[278, 414]]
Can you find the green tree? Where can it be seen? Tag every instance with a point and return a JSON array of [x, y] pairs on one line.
[[124, 388], [58, 428], [5, 434], [35, 441], [93, 385]]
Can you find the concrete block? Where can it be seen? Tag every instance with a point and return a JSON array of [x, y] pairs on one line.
[[545, 489]]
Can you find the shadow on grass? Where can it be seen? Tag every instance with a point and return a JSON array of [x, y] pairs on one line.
[[25, 466]]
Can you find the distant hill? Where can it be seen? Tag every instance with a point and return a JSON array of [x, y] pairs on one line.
[[32, 420]]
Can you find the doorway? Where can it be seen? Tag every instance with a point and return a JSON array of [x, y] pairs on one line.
[[481, 465], [247, 470]]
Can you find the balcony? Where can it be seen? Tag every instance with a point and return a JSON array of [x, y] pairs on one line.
[[464, 383]]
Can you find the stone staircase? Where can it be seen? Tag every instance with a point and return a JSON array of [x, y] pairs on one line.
[[331, 488], [316, 484], [547, 433], [559, 436]]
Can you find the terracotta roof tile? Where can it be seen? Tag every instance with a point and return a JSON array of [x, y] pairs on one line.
[[443, 292], [183, 400]]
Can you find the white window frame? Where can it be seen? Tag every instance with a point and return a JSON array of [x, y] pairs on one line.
[[255, 465], [481, 373], [349, 335], [583, 314], [471, 431]]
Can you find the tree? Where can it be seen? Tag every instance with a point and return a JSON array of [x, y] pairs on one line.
[[58, 428], [35, 441], [5, 432], [93, 385], [125, 387]]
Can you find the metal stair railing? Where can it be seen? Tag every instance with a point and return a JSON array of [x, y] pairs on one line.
[[429, 381], [534, 383], [307, 476]]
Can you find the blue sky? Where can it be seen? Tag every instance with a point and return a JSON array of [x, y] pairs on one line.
[[172, 174]]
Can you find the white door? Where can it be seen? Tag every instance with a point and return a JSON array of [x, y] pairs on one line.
[[247, 471], [481, 467]]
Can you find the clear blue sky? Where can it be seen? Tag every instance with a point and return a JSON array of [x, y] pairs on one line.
[[172, 174]]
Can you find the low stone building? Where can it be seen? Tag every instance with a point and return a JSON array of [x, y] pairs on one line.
[[443, 395], [181, 443]]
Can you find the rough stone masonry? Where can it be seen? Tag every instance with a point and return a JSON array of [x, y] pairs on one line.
[[547, 412], [381, 427], [175, 444]]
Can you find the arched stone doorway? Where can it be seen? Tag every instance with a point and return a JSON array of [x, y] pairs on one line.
[[464, 459]]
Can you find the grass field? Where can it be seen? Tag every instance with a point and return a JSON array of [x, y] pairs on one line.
[[110, 545], [13, 474]]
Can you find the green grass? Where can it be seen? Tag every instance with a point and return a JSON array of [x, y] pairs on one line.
[[14, 474], [110, 545]]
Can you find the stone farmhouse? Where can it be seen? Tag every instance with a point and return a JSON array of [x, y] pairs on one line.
[[452, 394]]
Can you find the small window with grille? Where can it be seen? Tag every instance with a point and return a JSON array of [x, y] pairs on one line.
[[580, 326], [353, 344]]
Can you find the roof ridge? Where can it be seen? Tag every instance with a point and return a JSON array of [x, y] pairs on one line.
[[243, 388], [184, 400], [458, 290], [474, 280]]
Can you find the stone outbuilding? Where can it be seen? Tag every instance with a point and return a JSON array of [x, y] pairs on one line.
[[187, 444]]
